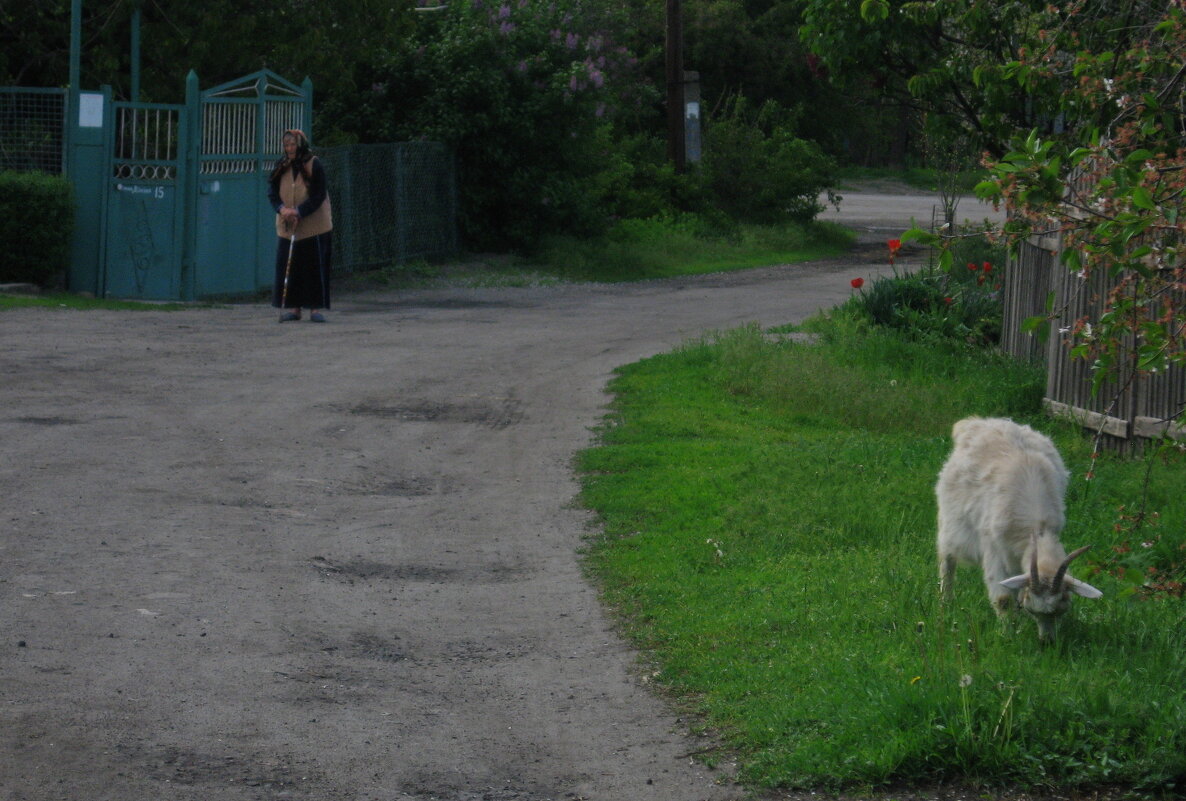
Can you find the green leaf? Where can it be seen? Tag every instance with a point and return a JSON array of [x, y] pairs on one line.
[[874, 10], [921, 236], [945, 261], [987, 189], [1142, 199], [1151, 359], [1031, 324]]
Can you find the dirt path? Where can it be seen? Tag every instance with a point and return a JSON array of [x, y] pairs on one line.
[[880, 210], [243, 560]]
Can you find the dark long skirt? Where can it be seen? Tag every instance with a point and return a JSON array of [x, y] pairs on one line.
[[308, 279]]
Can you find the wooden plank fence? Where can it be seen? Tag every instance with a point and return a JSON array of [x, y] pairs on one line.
[[1145, 408]]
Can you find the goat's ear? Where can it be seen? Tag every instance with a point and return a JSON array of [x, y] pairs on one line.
[[1016, 582], [1082, 588]]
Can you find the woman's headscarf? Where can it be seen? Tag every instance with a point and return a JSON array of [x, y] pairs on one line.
[[302, 156]]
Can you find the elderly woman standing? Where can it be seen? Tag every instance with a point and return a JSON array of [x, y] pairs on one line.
[[297, 191]]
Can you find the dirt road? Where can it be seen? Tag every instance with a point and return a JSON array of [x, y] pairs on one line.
[[243, 560], [880, 210]]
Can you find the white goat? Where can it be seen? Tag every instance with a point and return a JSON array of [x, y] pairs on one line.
[[1001, 506]]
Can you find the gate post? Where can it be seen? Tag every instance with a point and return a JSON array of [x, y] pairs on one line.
[[88, 133], [188, 169]]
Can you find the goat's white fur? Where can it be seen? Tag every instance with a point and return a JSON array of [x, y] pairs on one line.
[[1000, 500]]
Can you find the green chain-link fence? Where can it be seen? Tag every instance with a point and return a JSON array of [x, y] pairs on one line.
[[392, 202], [31, 129]]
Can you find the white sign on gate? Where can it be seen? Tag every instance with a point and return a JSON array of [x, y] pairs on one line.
[[90, 110]]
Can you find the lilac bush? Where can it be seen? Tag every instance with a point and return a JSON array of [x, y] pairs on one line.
[[525, 91]]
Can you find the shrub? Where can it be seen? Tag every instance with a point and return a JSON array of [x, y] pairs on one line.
[[36, 220], [950, 306], [759, 171], [524, 94]]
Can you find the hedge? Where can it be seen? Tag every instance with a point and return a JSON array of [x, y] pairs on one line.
[[36, 224]]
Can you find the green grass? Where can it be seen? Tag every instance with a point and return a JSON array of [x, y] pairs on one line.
[[638, 250], [475, 271], [635, 250], [922, 178], [768, 539], [65, 300]]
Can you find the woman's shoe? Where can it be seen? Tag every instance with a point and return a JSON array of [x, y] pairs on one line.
[[288, 317], [316, 317]]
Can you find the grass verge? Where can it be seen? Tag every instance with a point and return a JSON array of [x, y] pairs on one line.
[[635, 250], [767, 524], [925, 179], [638, 250]]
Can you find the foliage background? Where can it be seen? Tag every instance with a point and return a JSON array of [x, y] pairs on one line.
[[555, 108]]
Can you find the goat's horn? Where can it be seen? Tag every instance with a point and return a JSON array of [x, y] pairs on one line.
[[1062, 569], [1033, 560]]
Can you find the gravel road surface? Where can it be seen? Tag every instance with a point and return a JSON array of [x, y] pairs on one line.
[[243, 560]]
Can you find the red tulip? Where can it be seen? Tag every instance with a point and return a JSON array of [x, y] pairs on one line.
[[894, 245], [972, 267], [857, 283], [988, 267]]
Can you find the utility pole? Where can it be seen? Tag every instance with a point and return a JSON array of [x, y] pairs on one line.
[[675, 85]]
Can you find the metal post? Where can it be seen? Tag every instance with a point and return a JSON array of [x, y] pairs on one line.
[[136, 51], [401, 205], [188, 176], [75, 43], [675, 85], [75, 70], [307, 88]]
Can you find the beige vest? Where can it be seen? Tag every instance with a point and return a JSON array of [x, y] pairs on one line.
[[294, 190]]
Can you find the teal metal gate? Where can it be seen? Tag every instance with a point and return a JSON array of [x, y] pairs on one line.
[[170, 198], [145, 207], [242, 124]]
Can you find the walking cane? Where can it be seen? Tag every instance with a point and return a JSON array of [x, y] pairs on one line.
[[288, 269]]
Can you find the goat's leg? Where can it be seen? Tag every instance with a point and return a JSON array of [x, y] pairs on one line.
[[946, 576], [996, 570], [1004, 604]]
